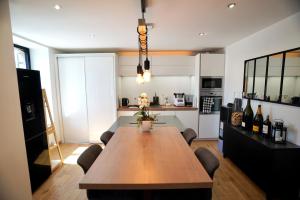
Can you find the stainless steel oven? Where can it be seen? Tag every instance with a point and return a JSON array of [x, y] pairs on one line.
[[211, 83], [210, 102]]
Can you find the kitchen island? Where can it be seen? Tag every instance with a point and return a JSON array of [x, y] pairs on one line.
[[162, 121], [159, 108], [188, 116]]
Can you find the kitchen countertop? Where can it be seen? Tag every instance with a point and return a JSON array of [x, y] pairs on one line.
[[161, 108], [162, 121]]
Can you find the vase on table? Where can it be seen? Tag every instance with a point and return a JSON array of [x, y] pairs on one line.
[[146, 126]]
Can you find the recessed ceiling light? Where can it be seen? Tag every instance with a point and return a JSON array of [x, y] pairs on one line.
[[231, 5], [92, 35], [202, 34], [57, 7]]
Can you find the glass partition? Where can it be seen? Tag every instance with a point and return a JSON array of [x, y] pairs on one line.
[[248, 82], [291, 80], [274, 77], [260, 78]]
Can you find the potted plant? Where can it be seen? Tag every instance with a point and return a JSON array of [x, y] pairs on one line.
[[144, 118]]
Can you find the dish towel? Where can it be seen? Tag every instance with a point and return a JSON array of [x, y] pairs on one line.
[[207, 104]]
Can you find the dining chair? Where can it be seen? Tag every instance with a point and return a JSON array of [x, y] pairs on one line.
[[85, 161], [106, 136], [189, 135], [210, 164], [208, 160], [87, 158]]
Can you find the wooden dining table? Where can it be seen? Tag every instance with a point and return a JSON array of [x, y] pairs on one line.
[[160, 159]]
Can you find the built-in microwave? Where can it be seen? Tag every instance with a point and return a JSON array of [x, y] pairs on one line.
[[211, 83]]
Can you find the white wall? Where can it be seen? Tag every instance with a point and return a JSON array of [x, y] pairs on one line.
[[14, 175], [163, 86], [280, 36], [42, 58]]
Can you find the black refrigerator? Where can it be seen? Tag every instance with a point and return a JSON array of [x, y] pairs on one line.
[[34, 126]]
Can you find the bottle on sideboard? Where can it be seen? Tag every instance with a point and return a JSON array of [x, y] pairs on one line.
[[258, 121], [248, 116], [267, 128]]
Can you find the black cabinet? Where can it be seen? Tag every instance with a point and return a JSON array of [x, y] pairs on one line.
[[273, 167]]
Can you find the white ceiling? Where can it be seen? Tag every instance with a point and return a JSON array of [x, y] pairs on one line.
[[113, 22]]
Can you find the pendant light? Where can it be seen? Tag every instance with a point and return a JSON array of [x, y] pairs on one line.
[[139, 70], [147, 74], [143, 48]]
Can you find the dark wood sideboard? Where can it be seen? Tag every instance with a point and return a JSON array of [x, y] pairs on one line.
[[275, 168]]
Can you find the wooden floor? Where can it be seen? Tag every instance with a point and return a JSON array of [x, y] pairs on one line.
[[230, 183]]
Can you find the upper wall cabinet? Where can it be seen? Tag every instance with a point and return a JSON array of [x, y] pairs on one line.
[[212, 65], [163, 65], [274, 78]]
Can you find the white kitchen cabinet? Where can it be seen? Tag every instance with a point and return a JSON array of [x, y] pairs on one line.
[[127, 65], [209, 126], [212, 65], [73, 99], [100, 94], [188, 118], [126, 113], [162, 65], [88, 95]]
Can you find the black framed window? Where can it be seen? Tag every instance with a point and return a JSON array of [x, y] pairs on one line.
[[22, 57], [274, 78]]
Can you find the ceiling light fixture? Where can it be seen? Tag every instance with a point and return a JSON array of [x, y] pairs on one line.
[[142, 30], [231, 5], [57, 7], [202, 34]]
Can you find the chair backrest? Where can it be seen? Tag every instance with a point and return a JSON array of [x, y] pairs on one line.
[[189, 135], [87, 158], [208, 160], [106, 136]]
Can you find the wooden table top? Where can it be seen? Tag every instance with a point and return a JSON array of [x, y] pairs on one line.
[[160, 159], [162, 121]]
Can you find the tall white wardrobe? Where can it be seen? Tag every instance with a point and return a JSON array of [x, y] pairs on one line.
[[87, 91]]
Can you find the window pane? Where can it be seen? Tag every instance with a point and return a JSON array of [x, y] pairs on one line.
[[274, 77], [249, 72], [20, 58], [260, 73], [291, 80]]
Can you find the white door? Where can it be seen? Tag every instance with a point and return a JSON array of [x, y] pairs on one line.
[[101, 94], [209, 126], [73, 99]]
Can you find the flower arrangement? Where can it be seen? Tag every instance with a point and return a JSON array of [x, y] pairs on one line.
[[143, 114]]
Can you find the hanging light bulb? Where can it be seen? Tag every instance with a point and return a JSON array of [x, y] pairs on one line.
[[147, 73], [139, 77]]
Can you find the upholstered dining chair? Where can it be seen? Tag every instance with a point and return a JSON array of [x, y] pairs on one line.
[[210, 164], [189, 135], [85, 161], [106, 136], [208, 160], [87, 158]]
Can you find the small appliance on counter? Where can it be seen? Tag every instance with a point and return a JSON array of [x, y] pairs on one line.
[[189, 100], [125, 102], [179, 99]]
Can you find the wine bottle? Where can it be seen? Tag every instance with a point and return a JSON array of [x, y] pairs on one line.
[[243, 120], [248, 116], [267, 128], [258, 121]]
